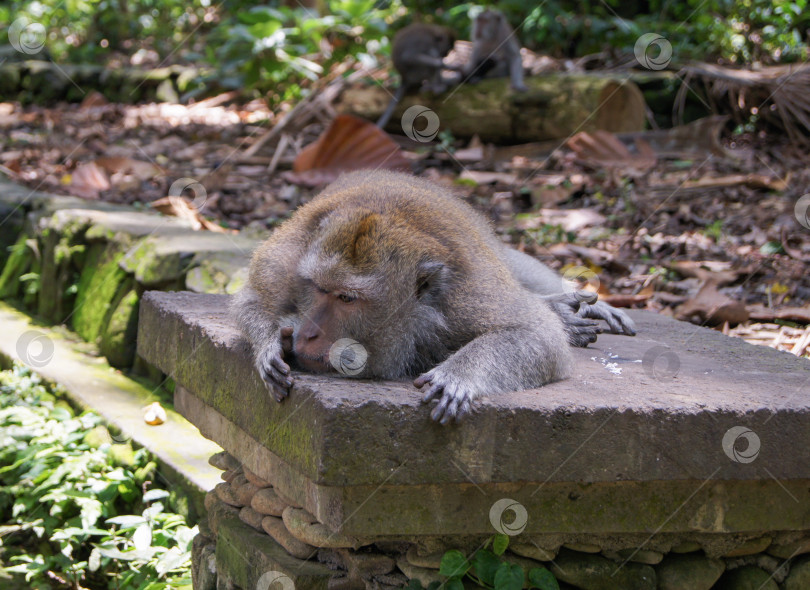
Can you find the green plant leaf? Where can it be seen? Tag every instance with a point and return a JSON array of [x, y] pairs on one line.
[[454, 564], [509, 576], [486, 564], [540, 577], [500, 543]]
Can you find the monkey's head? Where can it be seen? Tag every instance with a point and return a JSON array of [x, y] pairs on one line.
[[487, 25], [369, 291]]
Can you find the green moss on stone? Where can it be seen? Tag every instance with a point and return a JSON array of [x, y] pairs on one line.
[[100, 285], [118, 337], [20, 259]]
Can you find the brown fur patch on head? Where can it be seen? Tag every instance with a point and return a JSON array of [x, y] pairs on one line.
[[356, 239]]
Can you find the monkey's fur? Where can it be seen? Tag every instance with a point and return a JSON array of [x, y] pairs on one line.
[[417, 52], [422, 282], [495, 51]]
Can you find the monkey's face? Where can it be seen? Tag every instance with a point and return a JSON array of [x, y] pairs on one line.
[[486, 26], [354, 299], [324, 321]]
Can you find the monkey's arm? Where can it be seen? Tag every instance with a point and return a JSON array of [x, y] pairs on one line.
[[515, 67], [267, 338], [508, 359], [573, 307]]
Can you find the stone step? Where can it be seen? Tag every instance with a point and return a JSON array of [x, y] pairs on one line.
[[648, 435]]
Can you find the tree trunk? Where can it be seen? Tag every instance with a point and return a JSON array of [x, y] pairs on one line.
[[555, 106]]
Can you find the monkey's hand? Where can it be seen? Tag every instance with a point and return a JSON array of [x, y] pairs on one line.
[[580, 330], [455, 397], [618, 320], [272, 368]]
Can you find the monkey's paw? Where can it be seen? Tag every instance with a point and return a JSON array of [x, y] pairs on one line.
[[274, 371], [618, 320], [455, 398], [580, 331]]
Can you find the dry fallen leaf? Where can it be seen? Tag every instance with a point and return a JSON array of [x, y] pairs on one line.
[[350, 143], [184, 209], [713, 307], [603, 149], [121, 165], [87, 181]]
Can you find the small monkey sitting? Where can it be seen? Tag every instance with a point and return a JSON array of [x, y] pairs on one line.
[[418, 53], [421, 281], [495, 51]]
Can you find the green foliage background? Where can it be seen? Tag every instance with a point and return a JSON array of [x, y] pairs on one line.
[[276, 49]]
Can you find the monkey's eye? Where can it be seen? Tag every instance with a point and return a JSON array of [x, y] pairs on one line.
[[346, 298]]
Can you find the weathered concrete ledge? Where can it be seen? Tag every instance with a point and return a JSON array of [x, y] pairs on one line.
[[627, 445]]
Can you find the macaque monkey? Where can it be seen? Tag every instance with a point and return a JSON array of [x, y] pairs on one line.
[[495, 51], [415, 279], [418, 54]]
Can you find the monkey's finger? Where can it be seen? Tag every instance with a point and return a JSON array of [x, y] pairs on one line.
[[275, 375], [452, 409], [278, 392], [279, 365], [464, 410], [423, 378], [438, 412], [585, 296], [432, 392], [628, 325]]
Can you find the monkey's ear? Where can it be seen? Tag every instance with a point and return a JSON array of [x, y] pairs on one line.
[[431, 279]]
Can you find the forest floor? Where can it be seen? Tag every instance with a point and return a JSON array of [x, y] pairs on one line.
[[714, 238]]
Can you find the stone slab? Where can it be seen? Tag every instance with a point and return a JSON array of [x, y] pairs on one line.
[[646, 444], [614, 420]]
